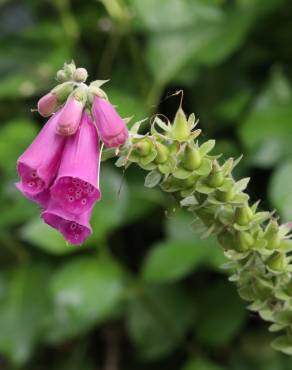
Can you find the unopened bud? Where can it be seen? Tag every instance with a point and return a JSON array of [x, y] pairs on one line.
[[192, 158], [80, 75], [278, 262], [162, 153], [243, 215], [142, 148], [61, 76], [62, 91], [180, 130], [244, 241], [190, 181], [70, 116], [272, 235], [48, 104], [216, 177], [225, 196], [69, 69]]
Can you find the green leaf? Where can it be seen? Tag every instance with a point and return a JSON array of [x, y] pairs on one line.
[[283, 344], [169, 261], [158, 319], [108, 214], [280, 191], [15, 135], [23, 311], [267, 129], [201, 364], [85, 291], [152, 179], [44, 237], [219, 304]]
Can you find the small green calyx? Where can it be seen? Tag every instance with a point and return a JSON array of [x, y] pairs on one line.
[[142, 148], [243, 215], [225, 196], [180, 130], [216, 177], [245, 241], [192, 158], [63, 91], [162, 153], [272, 235], [278, 262]]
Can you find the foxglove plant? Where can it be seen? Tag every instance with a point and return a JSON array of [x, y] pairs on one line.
[[257, 246]]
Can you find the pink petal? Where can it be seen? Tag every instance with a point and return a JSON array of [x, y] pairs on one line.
[[70, 117], [111, 128], [38, 165], [75, 229], [48, 104], [76, 188]]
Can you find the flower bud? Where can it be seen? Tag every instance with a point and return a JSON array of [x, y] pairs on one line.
[[244, 241], [62, 91], [162, 153], [225, 196], [243, 215], [180, 129], [142, 148], [69, 69], [192, 158], [48, 104], [61, 76], [277, 262], [190, 181], [80, 75], [70, 116], [272, 235], [216, 177]]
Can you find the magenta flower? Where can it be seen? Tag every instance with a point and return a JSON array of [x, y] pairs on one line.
[[38, 165], [75, 229], [48, 104], [76, 188], [111, 128], [70, 117]]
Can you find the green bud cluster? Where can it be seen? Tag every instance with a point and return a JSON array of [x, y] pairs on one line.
[[256, 246]]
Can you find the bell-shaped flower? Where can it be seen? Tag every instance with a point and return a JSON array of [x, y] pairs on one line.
[[75, 228], [38, 165], [70, 116], [76, 187], [111, 128]]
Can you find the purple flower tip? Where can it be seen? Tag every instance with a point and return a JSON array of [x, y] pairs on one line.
[[70, 117], [111, 128], [48, 104], [75, 229]]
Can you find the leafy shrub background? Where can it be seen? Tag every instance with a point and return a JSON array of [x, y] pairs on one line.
[[145, 292]]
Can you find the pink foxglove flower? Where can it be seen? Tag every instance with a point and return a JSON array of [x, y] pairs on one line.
[[48, 104], [111, 128], [75, 229], [76, 188], [38, 165], [70, 117]]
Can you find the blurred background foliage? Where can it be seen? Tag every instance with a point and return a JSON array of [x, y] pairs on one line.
[[145, 292]]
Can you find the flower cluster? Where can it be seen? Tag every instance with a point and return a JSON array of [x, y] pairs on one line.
[[60, 169]]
